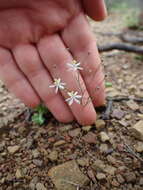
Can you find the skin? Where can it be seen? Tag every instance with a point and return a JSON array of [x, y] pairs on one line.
[[34, 37]]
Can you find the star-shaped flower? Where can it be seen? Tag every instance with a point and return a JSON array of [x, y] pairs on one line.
[[73, 97], [58, 85], [74, 66]]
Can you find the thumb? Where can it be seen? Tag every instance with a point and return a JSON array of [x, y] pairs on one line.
[[96, 9]]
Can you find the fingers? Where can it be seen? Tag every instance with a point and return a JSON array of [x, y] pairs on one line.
[[15, 80], [55, 57], [30, 64], [78, 37], [96, 9]]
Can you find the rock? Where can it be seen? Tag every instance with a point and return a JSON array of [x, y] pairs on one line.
[[86, 128], [100, 124], [65, 174], [29, 144], [132, 105], [40, 186], [137, 130], [18, 174], [22, 130], [35, 153], [104, 137], [141, 181], [32, 186], [120, 179], [130, 177], [90, 138], [123, 123], [59, 143], [128, 117], [53, 156], [139, 146], [111, 159], [75, 132], [140, 115], [100, 176], [118, 114], [103, 148], [115, 183], [91, 175], [139, 93], [98, 165], [13, 149], [37, 162], [65, 128], [33, 183], [110, 169], [83, 161]]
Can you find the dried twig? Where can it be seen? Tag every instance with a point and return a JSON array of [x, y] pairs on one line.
[[107, 113], [129, 150], [131, 39], [121, 46], [125, 98]]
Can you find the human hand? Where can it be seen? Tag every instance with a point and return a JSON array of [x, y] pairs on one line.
[[34, 37]]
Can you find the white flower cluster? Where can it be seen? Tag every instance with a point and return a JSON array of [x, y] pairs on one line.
[[59, 85]]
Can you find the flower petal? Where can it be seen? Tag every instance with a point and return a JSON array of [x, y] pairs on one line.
[[56, 89], [77, 101], [78, 96], [71, 102]]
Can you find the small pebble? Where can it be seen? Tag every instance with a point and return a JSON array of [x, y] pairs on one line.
[[83, 161], [59, 143], [18, 174], [74, 133], [40, 186], [100, 176], [37, 162], [100, 124], [86, 128], [104, 137], [13, 149], [53, 156]]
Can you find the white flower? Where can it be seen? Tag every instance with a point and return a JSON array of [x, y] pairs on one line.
[[73, 97], [58, 85], [74, 66]]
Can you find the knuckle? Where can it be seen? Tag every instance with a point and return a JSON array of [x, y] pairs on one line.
[[26, 57]]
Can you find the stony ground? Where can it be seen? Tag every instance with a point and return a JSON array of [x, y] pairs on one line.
[[107, 155]]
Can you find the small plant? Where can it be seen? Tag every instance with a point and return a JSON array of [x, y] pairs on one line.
[[38, 117], [108, 84]]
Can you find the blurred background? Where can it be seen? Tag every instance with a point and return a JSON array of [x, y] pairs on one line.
[[132, 9]]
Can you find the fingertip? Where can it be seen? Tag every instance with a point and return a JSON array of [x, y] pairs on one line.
[[96, 9], [87, 116]]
